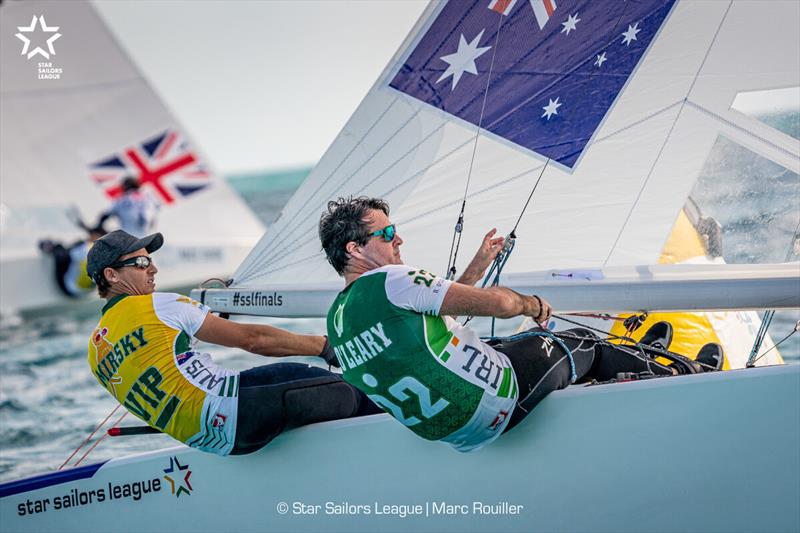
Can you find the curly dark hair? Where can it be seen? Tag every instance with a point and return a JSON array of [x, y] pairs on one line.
[[345, 221]]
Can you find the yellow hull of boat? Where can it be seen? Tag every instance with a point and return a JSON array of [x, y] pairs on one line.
[[734, 331]]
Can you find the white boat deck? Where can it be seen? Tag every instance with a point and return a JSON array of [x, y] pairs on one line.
[[714, 452]]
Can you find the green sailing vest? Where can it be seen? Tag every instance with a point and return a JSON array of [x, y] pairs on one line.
[[401, 358]]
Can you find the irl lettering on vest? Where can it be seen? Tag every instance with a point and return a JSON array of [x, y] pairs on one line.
[[361, 348]]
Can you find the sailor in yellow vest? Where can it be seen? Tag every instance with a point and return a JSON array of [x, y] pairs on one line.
[[142, 352], [70, 262]]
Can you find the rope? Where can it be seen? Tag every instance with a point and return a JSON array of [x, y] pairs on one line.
[[601, 316], [663, 353], [549, 335], [98, 441], [87, 439], [457, 230]]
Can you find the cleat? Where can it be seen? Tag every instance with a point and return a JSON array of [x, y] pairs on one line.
[[711, 356], [659, 336]]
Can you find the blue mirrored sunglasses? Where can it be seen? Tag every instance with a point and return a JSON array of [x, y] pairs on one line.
[[140, 261], [387, 233]]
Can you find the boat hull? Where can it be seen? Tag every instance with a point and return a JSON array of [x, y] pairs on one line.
[[711, 452]]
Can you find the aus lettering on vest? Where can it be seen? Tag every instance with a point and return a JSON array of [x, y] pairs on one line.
[[361, 348], [127, 345], [203, 376]]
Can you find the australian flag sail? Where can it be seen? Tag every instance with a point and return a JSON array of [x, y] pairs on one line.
[[556, 67]]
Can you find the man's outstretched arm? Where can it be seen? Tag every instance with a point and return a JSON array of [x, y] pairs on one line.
[[500, 302], [259, 339]]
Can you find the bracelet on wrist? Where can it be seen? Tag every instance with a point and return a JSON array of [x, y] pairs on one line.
[[539, 312]]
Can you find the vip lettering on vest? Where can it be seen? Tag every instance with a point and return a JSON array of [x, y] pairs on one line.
[[359, 349], [145, 399]]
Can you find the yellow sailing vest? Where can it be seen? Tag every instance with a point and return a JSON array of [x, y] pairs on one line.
[[141, 353]]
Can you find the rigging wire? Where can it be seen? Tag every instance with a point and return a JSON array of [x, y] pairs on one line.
[[795, 330], [530, 196], [766, 320], [451, 261]]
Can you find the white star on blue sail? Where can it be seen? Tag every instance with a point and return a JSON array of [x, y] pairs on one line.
[[601, 58], [464, 59], [570, 23], [630, 35], [551, 108]]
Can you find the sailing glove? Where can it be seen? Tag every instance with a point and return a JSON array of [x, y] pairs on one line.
[[329, 355]]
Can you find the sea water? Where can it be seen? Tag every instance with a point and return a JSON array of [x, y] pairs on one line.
[[50, 402]]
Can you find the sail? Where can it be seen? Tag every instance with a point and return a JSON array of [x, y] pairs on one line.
[[77, 117], [610, 111]]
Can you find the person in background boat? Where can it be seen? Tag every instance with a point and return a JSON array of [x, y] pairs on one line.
[[70, 262], [135, 211], [142, 352], [393, 334]]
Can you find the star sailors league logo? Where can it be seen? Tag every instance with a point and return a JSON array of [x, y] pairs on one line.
[[40, 42], [539, 74], [26, 32], [164, 165], [177, 475]]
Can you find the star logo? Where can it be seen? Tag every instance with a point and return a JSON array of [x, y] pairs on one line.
[[601, 58], [630, 35], [184, 487], [570, 23], [464, 59], [27, 42], [551, 108]]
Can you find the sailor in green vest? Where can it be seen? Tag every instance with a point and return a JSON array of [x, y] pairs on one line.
[[393, 335]]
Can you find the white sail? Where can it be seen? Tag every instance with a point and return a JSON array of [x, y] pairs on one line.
[[615, 207], [57, 133]]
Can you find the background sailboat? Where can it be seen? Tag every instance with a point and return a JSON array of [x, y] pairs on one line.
[[70, 141]]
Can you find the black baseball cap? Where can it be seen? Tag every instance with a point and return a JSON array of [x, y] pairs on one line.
[[108, 249]]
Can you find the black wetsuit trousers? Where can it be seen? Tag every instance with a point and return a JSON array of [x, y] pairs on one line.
[[288, 395], [542, 366]]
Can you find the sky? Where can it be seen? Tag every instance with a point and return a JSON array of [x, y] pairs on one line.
[[261, 84]]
